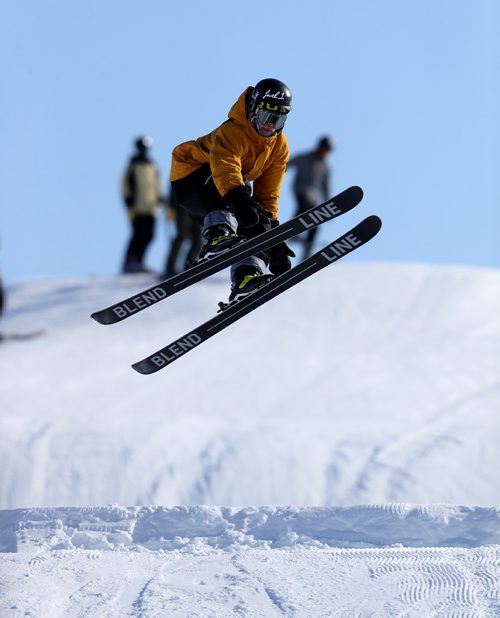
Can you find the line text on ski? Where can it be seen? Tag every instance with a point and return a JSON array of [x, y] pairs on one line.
[[320, 214], [340, 247]]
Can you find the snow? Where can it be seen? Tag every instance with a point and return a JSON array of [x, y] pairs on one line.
[[334, 453]]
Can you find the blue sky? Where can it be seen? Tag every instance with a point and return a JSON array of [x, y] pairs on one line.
[[409, 89]]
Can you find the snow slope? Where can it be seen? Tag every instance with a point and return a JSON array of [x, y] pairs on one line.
[[371, 384], [367, 384]]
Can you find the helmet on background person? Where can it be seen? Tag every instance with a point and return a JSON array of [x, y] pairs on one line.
[[325, 143], [143, 143], [269, 105]]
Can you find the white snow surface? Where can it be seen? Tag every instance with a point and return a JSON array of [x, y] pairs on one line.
[[335, 453]]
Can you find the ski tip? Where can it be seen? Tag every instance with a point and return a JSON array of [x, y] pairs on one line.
[[375, 221], [369, 227], [349, 198], [358, 193]]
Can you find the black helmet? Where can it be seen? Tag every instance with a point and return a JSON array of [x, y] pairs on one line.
[[143, 143], [269, 105], [325, 143]]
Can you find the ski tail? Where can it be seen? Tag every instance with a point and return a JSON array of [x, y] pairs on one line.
[[330, 253]]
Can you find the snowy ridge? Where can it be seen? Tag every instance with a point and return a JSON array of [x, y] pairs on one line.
[[161, 528]]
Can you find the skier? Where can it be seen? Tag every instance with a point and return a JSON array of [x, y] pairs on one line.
[[141, 191], [311, 182], [211, 178]]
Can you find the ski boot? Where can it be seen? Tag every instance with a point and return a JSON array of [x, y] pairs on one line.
[[246, 280], [216, 239]]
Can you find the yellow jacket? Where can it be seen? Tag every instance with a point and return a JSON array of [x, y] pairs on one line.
[[236, 152]]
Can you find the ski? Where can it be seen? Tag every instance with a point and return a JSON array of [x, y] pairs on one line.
[[335, 206], [27, 336], [348, 242]]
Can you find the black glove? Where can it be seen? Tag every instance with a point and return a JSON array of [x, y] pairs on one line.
[[248, 212], [279, 258]]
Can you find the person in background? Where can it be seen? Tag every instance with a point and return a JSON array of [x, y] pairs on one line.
[[212, 180], [187, 231], [311, 184], [141, 192]]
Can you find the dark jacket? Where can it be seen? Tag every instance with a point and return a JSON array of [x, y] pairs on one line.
[[312, 176]]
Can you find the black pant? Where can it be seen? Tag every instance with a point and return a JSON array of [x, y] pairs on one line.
[[303, 204], [187, 230], [197, 193], [142, 235]]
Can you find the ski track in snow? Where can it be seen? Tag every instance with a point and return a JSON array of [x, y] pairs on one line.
[[388, 465], [255, 582], [268, 561]]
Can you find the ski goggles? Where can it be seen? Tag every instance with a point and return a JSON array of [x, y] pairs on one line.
[[268, 123]]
